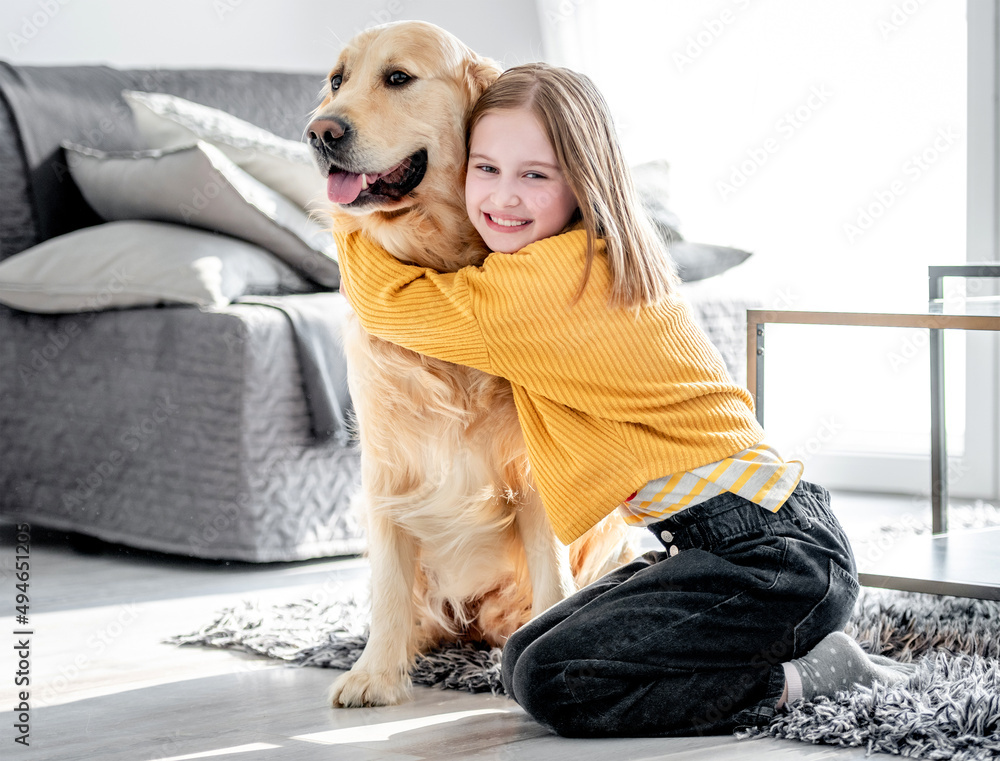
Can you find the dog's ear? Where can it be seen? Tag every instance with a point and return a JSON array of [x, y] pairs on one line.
[[480, 73]]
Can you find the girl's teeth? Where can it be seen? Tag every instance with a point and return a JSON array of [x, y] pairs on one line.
[[508, 222]]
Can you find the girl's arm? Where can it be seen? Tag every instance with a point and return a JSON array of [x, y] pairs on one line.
[[414, 307], [515, 316]]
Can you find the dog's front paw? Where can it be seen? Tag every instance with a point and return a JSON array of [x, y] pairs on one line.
[[360, 687]]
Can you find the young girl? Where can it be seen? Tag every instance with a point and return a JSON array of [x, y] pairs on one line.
[[625, 404]]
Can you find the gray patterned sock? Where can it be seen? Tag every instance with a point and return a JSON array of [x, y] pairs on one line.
[[839, 663]]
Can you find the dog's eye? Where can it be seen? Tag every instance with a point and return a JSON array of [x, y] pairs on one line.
[[398, 78], [335, 81]]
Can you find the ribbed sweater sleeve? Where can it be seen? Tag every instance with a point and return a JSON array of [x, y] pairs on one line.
[[414, 307], [511, 317]]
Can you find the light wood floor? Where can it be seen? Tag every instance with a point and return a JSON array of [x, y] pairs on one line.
[[104, 686]]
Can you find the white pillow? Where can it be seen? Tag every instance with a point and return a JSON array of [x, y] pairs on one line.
[[167, 122], [199, 186], [128, 264]]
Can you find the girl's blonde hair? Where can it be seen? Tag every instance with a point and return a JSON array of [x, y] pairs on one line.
[[578, 123]]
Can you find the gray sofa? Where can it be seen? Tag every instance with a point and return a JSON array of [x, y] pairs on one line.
[[215, 431], [183, 429]]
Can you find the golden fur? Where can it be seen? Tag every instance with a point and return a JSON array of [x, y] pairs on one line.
[[458, 540]]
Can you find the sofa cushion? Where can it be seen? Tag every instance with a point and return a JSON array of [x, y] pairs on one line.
[[128, 264], [166, 122], [199, 186]]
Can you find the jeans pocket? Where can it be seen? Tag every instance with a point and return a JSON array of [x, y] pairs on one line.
[[768, 563], [831, 612], [755, 562]]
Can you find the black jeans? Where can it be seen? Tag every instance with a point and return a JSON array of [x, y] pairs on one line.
[[690, 640]]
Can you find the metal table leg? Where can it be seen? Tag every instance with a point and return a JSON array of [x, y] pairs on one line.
[[758, 386], [939, 442]]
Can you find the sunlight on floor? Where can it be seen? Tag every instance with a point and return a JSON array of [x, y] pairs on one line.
[[367, 733], [107, 650], [223, 752]]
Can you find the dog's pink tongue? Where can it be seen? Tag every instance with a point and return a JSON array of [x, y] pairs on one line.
[[343, 187]]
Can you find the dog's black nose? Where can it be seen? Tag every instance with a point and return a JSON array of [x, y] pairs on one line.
[[326, 132]]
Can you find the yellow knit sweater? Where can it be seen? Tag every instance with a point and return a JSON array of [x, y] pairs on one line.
[[607, 399]]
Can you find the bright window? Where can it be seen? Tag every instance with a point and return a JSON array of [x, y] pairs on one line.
[[831, 139]]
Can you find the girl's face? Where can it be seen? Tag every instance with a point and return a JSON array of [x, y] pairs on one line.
[[515, 192]]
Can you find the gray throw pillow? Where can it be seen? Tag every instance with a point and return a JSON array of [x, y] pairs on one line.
[[139, 263], [199, 186]]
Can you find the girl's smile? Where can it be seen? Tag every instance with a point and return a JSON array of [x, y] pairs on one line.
[[504, 224]]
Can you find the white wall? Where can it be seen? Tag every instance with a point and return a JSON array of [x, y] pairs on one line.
[[293, 35]]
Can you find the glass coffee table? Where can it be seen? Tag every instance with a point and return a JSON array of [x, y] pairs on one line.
[[965, 564]]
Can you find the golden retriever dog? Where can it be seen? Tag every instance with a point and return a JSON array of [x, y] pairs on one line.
[[459, 543]]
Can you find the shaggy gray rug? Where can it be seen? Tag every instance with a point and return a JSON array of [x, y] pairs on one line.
[[332, 635], [949, 709]]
